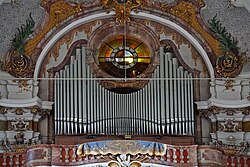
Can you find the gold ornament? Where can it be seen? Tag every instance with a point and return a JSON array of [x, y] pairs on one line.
[[19, 65], [122, 10], [187, 12], [58, 12], [229, 65]]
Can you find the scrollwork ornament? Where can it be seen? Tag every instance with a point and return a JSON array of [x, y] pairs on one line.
[[19, 65], [229, 66]]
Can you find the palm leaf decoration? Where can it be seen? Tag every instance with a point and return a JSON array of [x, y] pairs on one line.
[[23, 33], [227, 42]]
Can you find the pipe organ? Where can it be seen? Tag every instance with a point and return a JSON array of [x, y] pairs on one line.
[[163, 106]]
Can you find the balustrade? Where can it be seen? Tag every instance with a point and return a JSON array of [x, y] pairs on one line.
[[12, 159], [66, 155], [238, 161]]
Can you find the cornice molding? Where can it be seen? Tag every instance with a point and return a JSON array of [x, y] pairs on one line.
[[222, 103], [36, 101]]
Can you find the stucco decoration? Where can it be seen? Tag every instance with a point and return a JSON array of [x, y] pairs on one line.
[[230, 63], [122, 8], [61, 13], [133, 153], [20, 64], [235, 19]]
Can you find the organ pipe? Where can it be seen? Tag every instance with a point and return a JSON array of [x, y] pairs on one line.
[[76, 97], [71, 102], [67, 113], [81, 93], [61, 102], [164, 106], [56, 92]]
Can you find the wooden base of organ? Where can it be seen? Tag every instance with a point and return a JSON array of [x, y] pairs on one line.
[[84, 138]]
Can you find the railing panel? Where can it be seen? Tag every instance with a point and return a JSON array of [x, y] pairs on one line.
[[66, 155], [12, 159], [241, 161]]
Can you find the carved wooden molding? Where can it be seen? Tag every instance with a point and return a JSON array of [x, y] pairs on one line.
[[228, 111]]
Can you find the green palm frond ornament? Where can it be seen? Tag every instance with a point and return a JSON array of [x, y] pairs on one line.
[[21, 37], [230, 64], [227, 42], [19, 64]]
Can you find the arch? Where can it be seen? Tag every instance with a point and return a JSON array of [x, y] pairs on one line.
[[141, 15], [183, 32]]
